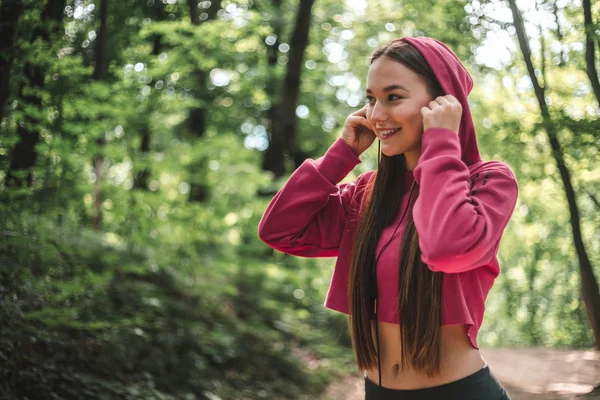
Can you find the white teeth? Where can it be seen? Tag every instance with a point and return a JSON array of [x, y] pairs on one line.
[[389, 131]]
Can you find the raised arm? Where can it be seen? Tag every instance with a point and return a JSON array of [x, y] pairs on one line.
[[460, 218], [307, 216]]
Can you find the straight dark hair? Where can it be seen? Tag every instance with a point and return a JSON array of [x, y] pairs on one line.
[[420, 289]]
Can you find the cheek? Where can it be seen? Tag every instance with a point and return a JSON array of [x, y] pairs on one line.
[[411, 116]]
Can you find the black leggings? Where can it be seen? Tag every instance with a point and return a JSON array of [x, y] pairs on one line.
[[481, 385]]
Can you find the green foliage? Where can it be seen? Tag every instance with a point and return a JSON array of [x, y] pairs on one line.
[[84, 316], [174, 295]]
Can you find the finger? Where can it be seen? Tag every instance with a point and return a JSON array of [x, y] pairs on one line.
[[434, 104], [358, 120], [361, 112], [452, 102], [451, 99], [425, 111], [441, 100], [366, 124]]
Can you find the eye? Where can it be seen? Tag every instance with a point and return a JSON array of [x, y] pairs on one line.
[[391, 97]]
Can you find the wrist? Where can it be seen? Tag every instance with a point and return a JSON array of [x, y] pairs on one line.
[[338, 161], [352, 148]]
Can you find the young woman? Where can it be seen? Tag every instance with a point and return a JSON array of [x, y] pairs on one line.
[[416, 240]]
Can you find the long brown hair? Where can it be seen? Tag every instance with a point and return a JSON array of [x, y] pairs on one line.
[[420, 289]]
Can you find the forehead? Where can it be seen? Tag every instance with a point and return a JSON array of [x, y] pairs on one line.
[[386, 71]]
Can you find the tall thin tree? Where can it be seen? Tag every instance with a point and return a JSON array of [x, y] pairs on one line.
[[142, 175], [197, 115], [589, 285], [284, 123], [272, 42], [194, 17], [197, 118], [558, 32], [590, 48], [100, 74], [10, 12], [23, 156]]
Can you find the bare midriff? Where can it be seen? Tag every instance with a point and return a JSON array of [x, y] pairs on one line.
[[459, 359]]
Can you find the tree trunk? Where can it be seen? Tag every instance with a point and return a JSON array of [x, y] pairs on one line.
[[10, 11], [197, 116], [23, 155], [558, 32], [590, 57], [197, 119], [211, 13], [594, 200], [589, 285], [141, 178], [98, 168], [100, 74], [194, 17], [277, 25], [101, 67], [272, 53], [283, 124]]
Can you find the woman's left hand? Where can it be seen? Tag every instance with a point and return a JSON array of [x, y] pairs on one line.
[[443, 112]]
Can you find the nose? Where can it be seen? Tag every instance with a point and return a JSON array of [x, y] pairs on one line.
[[378, 113]]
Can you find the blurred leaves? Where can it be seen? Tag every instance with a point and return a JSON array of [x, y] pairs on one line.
[[177, 298]]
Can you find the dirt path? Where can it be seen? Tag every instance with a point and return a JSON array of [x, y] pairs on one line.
[[527, 374]]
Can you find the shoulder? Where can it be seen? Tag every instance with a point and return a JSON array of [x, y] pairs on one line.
[[364, 182], [488, 166], [485, 169], [493, 175], [365, 178], [359, 188]]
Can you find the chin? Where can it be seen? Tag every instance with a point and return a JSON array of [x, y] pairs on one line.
[[403, 147], [391, 152]]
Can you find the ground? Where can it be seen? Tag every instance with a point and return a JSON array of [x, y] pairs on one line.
[[527, 374]]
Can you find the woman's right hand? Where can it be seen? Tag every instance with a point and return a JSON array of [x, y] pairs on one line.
[[357, 132]]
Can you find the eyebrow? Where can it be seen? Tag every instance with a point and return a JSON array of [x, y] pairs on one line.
[[390, 88]]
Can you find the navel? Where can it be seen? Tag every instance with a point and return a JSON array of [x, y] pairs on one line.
[[396, 369]]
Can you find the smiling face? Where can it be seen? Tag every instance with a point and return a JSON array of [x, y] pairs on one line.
[[396, 95]]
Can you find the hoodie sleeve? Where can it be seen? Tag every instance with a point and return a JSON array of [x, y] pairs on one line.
[[460, 218], [307, 216]]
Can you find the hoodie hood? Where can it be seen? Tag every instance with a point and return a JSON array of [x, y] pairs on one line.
[[455, 80]]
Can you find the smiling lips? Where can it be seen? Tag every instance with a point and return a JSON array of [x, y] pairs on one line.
[[385, 134]]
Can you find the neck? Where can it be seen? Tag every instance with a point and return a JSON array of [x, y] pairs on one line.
[[412, 158]]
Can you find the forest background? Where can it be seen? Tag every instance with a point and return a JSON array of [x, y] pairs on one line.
[[140, 142]]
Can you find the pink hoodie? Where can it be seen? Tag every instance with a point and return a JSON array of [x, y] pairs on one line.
[[463, 207]]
